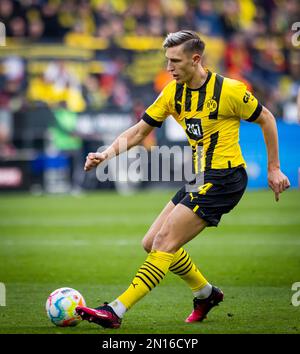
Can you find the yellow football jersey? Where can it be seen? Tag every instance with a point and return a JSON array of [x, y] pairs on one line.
[[210, 117]]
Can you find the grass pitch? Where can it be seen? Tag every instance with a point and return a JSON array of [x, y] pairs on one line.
[[92, 243]]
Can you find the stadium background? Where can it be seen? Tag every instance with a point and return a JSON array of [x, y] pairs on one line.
[[73, 74]]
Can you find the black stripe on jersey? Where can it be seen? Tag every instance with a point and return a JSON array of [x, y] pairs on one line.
[[210, 151], [216, 96], [203, 87], [178, 97], [188, 99], [255, 114], [151, 121], [201, 99]]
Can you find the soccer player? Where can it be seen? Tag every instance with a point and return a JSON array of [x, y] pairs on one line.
[[209, 108]]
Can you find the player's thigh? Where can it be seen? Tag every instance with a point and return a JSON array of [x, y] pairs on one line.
[[156, 226], [181, 226]]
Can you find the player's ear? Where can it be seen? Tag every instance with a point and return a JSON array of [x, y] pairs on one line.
[[196, 58]]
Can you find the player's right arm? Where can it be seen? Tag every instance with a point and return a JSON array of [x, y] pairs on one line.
[[125, 141], [153, 117]]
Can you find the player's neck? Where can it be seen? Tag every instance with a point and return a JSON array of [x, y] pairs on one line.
[[198, 79]]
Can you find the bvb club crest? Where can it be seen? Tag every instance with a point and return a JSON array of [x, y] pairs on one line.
[[211, 105]]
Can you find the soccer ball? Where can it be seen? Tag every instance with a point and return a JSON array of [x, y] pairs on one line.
[[60, 306]]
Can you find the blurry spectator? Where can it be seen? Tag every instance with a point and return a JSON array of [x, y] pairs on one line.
[[86, 17], [156, 27], [120, 96], [17, 27], [11, 100], [292, 8], [138, 17], [247, 12], [207, 20], [230, 18], [93, 94], [117, 27], [259, 25], [53, 29], [63, 138], [6, 11], [174, 9], [58, 84], [269, 68], [64, 85], [35, 29], [6, 130], [246, 28], [291, 97], [104, 31], [238, 61], [270, 63], [67, 15], [171, 25], [291, 106]]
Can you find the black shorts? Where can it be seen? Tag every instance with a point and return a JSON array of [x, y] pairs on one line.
[[221, 191]]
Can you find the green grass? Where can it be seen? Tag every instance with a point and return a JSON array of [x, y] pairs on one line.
[[92, 243]]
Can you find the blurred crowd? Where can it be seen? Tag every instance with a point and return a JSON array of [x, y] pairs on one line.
[[52, 19], [256, 36]]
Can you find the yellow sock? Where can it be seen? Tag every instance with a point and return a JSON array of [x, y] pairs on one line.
[[183, 266], [148, 277]]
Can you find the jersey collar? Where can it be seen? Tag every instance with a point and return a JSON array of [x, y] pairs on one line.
[[203, 87]]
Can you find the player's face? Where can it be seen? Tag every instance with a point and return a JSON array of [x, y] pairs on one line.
[[181, 64]]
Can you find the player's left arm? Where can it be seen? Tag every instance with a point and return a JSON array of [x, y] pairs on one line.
[[278, 182]]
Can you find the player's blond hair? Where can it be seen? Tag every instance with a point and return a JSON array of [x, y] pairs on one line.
[[192, 41]]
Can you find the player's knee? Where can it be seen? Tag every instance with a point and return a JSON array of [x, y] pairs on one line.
[[147, 244], [164, 242]]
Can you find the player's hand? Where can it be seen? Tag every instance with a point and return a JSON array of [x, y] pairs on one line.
[[93, 159], [278, 182]]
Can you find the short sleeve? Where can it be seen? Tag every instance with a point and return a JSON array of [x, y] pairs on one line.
[[244, 104], [160, 108]]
